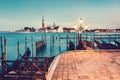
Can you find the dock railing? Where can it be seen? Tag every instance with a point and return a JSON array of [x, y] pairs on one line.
[[28, 70]]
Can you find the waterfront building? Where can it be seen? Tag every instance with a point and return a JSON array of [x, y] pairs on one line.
[[60, 29], [117, 30], [69, 29], [104, 30], [54, 29]]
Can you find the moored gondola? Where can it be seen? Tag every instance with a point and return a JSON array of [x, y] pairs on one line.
[[105, 45]]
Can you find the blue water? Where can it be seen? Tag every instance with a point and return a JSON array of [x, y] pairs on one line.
[[51, 49]]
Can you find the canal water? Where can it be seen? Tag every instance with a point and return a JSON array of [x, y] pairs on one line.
[[51, 49]]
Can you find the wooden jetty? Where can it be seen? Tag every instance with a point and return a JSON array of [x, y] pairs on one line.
[[26, 70], [40, 45]]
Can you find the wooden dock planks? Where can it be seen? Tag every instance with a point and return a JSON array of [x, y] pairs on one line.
[[88, 65]]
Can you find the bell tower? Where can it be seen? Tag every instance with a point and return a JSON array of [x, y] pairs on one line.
[[43, 23]]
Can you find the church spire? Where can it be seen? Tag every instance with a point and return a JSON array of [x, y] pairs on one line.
[[43, 19], [43, 23]]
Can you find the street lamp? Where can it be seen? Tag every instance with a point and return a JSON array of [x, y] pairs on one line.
[[80, 29], [86, 27], [81, 21], [75, 26]]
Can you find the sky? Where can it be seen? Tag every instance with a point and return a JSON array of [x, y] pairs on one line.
[[17, 14]]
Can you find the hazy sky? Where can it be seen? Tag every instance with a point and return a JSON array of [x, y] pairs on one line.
[[16, 14]]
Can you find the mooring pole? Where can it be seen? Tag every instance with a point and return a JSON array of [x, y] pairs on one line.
[[53, 39], [118, 37], [101, 37], [50, 41], [115, 36], [25, 43], [59, 41], [32, 56], [109, 38], [18, 44], [45, 35], [67, 41], [93, 41], [32, 47], [4, 66], [5, 45], [1, 45], [42, 36], [76, 41], [19, 63]]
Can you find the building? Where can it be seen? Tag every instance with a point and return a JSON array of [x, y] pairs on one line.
[[69, 29], [117, 30]]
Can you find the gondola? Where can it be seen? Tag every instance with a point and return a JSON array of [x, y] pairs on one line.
[[105, 45], [117, 42]]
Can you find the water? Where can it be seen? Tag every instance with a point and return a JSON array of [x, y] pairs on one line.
[[13, 38]]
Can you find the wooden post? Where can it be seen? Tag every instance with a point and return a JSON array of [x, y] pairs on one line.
[[32, 47], [4, 66], [50, 41], [18, 44], [109, 38], [5, 45], [36, 47], [45, 38], [32, 57], [115, 36], [115, 39], [93, 41], [76, 41], [53, 39], [25, 43], [86, 34], [67, 41], [59, 41], [1, 45], [101, 37], [91, 38], [42, 36], [119, 37]]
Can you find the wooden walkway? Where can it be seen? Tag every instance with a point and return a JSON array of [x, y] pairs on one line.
[[88, 65]]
